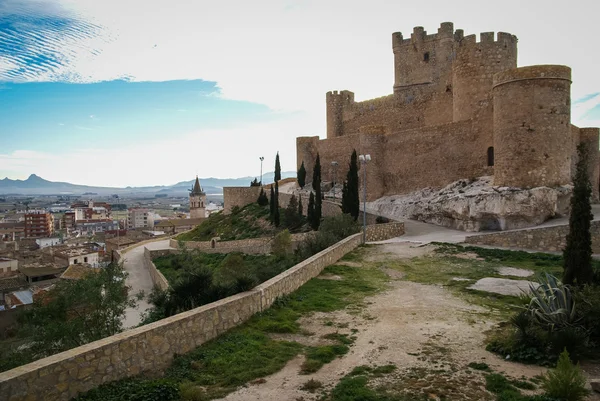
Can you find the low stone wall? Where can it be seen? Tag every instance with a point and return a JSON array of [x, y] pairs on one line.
[[239, 196], [151, 348], [252, 246], [544, 239], [158, 279], [382, 232], [293, 278]]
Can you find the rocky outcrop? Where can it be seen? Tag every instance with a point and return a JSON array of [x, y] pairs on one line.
[[477, 205]]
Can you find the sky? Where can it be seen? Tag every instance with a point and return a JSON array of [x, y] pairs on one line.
[[148, 92]]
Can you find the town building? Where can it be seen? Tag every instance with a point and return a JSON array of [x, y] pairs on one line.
[[38, 224], [12, 231], [176, 226], [8, 267], [139, 218], [74, 255], [93, 227]]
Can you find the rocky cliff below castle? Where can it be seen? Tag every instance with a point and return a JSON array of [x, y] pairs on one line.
[[477, 205]]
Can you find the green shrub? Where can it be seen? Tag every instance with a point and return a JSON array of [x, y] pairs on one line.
[[552, 304], [133, 390], [282, 244], [566, 382]]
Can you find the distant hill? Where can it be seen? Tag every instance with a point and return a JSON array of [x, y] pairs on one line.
[[35, 185]]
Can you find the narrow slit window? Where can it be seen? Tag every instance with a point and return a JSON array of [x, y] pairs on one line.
[[426, 57], [490, 156]]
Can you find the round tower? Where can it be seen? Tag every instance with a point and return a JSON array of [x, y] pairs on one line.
[[473, 71], [532, 114]]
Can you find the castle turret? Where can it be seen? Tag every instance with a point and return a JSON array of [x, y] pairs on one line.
[[532, 135], [336, 103], [424, 59], [473, 71], [197, 201]]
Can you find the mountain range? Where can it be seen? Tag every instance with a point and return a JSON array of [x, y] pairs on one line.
[[35, 185]]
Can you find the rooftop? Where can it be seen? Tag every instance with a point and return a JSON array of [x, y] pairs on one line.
[[77, 272], [12, 283], [71, 252], [46, 270]]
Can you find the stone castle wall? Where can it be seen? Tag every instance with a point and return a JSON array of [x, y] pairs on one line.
[[543, 239], [151, 348], [453, 115]]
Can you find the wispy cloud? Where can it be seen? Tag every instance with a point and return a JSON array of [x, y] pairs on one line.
[[79, 127]]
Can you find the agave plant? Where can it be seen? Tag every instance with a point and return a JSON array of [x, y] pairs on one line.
[[552, 303]]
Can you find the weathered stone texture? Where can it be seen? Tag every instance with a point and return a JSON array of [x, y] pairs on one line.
[[544, 239], [382, 232], [532, 142]]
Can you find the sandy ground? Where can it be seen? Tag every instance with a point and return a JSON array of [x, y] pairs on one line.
[[418, 328]]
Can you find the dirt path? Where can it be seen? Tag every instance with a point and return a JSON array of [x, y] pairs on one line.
[[419, 328]]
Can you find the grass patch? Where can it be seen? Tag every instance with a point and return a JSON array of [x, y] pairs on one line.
[[341, 338], [480, 366], [384, 370], [311, 386], [316, 357], [508, 390], [247, 353]]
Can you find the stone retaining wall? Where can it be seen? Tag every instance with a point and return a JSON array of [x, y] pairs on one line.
[[381, 232], [151, 348], [158, 279], [543, 239]]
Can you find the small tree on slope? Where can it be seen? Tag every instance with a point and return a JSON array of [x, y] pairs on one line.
[[578, 252]]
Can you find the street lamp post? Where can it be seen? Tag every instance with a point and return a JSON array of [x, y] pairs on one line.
[[261, 162], [364, 159], [334, 164]]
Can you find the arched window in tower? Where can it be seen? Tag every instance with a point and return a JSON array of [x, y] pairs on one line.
[[490, 156], [426, 57]]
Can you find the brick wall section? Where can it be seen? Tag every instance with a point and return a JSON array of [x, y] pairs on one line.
[[381, 232], [151, 348], [543, 239], [157, 277]]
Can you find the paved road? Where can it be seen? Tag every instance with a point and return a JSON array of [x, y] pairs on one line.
[[139, 280]]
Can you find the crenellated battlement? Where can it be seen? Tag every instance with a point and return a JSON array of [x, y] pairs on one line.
[[446, 31], [344, 96], [489, 38]]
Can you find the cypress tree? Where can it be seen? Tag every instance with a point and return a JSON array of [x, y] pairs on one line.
[[345, 207], [316, 178], [350, 198], [276, 206], [277, 168], [310, 213], [318, 208], [578, 252], [302, 175], [262, 198], [272, 204]]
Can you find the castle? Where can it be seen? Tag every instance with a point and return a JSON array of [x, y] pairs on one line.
[[460, 108]]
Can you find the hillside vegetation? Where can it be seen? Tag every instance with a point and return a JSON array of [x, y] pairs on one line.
[[250, 221]]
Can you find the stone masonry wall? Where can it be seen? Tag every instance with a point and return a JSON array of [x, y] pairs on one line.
[[543, 239], [151, 348], [157, 277], [382, 232]]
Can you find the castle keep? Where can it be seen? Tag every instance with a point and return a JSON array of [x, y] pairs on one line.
[[460, 108]]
